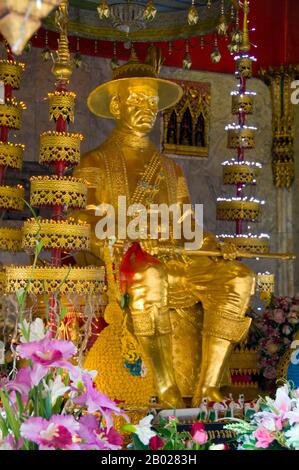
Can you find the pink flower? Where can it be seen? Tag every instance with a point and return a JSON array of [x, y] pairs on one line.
[[282, 400], [57, 433], [97, 401], [172, 419], [279, 315], [199, 435], [47, 352], [264, 437], [197, 427], [156, 443], [21, 384], [269, 372], [269, 421], [293, 318], [95, 438]]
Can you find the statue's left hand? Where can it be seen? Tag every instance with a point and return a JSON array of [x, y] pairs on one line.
[[229, 250]]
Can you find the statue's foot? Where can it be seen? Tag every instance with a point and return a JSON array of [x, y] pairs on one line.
[[211, 393], [171, 398]]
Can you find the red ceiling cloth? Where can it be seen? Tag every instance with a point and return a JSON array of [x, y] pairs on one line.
[[276, 37]]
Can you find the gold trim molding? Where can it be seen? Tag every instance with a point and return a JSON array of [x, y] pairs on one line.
[[279, 81], [234, 174], [243, 137], [12, 197], [238, 210], [244, 67], [62, 103], [250, 244], [10, 239], [242, 104], [266, 282], [64, 234], [66, 279], [11, 72], [60, 146], [11, 114], [54, 190], [11, 155]]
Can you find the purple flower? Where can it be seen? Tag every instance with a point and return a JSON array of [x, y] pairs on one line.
[[47, 352], [97, 401], [279, 316], [59, 432], [22, 384], [293, 318], [95, 438]]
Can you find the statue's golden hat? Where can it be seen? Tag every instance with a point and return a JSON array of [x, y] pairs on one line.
[[135, 72]]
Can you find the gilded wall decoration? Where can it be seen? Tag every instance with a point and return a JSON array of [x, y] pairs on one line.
[[186, 125]]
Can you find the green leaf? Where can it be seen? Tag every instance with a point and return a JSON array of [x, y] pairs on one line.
[[38, 248], [48, 406], [63, 313], [168, 446], [20, 403], [138, 445], [20, 293], [124, 301], [12, 421], [3, 426], [128, 428]]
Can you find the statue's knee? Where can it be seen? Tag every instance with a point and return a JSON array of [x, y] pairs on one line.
[[149, 286], [245, 275]]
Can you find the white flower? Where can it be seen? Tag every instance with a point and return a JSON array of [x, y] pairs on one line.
[[143, 429], [217, 447], [56, 388], [293, 437], [35, 330], [269, 424], [282, 403], [76, 375], [293, 416]]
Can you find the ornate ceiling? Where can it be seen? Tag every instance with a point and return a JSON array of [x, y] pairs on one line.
[[170, 22]]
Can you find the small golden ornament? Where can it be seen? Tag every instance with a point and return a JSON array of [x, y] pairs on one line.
[[216, 56], [222, 26], [150, 11], [103, 10], [46, 54], [193, 16], [187, 61]]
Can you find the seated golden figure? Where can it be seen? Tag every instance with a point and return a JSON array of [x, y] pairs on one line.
[[185, 354]]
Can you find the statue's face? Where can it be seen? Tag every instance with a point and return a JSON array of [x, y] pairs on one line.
[[138, 107]]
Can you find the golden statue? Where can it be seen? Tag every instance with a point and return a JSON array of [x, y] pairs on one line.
[[185, 355]]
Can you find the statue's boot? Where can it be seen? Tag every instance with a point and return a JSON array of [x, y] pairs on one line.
[[158, 351], [215, 354], [221, 333]]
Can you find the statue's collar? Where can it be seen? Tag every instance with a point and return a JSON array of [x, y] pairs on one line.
[[125, 139]]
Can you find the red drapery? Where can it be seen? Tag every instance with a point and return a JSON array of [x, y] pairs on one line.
[[276, 36]]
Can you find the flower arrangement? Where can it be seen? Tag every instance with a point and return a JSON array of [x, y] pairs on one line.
[[277, 328], [50, 403], [166, 436], [275, 427]]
